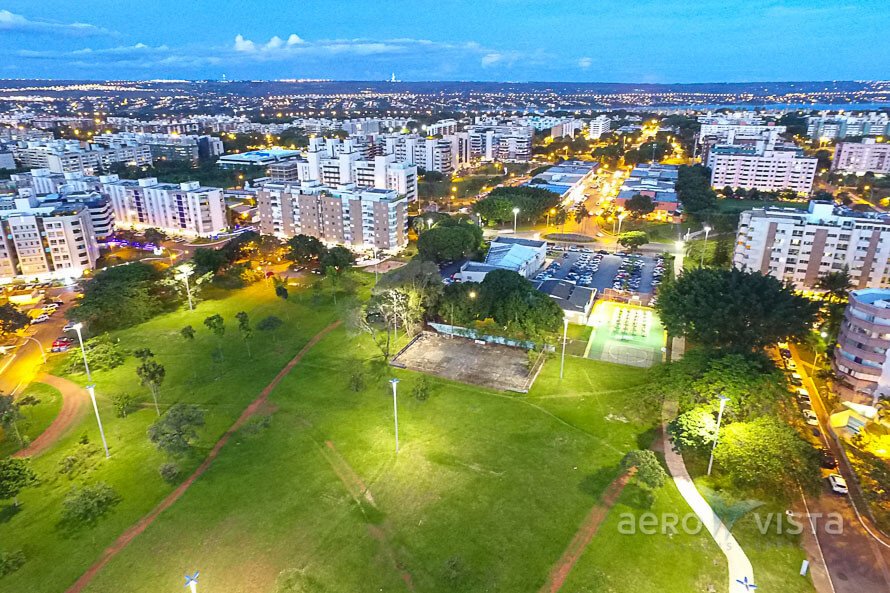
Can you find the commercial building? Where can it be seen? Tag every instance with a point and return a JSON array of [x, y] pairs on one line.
[[575, 301], [523, 256], [798, 246], [598, 126], [46, 242], [862, 356], [861, 158], [655, 181], [763, 166], [443, 127], [176, 208], [567, 179], [256, 158], [363, 217], [722, 125], [43, 181], [68, 156]]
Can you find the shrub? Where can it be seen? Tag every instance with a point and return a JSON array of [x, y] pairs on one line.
[[11, 561], [175, 431], [170, 472], [269, 323], [357, 380], [123, 403]]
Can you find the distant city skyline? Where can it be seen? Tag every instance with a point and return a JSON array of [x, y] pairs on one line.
[[500, 40]]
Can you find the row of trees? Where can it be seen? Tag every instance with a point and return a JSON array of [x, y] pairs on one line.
[[533, 204], [694, 191]]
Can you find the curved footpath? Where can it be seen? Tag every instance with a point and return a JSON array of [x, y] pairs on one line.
[[740, 569], [134, 530], [75, 403]]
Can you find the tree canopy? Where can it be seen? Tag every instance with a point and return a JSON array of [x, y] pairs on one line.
[[11, 319], [449, 240], [733, 309], [694, 191], [532, 202], [639, 205], [303, 248], [633, 239]]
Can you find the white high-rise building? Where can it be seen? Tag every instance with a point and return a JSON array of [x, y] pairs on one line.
[[429, 154], [70, 156], [761, 166], [839, 126], [598, 126], [46, 241], [177, 208], [860, 158], [799, 246], [501, 142]]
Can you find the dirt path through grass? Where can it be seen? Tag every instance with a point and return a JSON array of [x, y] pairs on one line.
[[591, 524], [130, 534], [75, 403]]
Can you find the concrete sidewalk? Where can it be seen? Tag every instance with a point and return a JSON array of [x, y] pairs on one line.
[[740, 569]]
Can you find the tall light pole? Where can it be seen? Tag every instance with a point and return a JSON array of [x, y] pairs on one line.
[[620, 220], [551, 212], [704, 246], [191, 581], [78, 327], [185, 271], [91, 389], [515, 216], [723, 400], [565, 333], [429, 223], [395, 408]]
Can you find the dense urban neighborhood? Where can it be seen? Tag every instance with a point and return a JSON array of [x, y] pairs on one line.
[[309, 336]]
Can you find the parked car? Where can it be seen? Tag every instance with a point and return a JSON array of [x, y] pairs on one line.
[[810, 417], [61, 344], [838, 484], [40, 318], [828, 461], [785, 352], [796, 380], [69, 327], [790, 364]]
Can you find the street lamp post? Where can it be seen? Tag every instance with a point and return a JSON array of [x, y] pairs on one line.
[[91, 389], [515, 217], [620, 220], [551, 212], [78, 327], [395, 409], [723, 400], [184, 271], [565, 333], [704, 246]]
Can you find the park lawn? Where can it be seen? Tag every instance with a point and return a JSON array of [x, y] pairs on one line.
[[484, 495], [35, 418], [55, 559]]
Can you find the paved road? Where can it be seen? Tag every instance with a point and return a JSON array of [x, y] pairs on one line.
[[857, 561]]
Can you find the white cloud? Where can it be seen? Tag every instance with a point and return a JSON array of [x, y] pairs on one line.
[[244, 45], [491, 59], [294, 39], [9, 21], [585, 63]]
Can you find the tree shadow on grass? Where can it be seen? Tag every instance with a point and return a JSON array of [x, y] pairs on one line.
[[646, 438], [8, 512], [637, 497], [596, 483]]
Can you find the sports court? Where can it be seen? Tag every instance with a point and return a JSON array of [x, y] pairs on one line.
[[625, 334]]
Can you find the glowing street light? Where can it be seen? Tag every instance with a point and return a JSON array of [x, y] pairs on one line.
[[429, 223], [515, 215], [183, 273], [395, 408], [704, 246], [91, 389], [78, 327], [723, 400], [191, 581], [551, 212], [621, 218]]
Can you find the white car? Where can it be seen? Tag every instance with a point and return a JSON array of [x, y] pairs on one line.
[[838, 484], [40, 318], [790, 364], [68, 327], [801, 392], [810, 418]]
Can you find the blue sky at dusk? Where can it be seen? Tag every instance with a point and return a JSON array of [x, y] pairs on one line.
[[497, 40]]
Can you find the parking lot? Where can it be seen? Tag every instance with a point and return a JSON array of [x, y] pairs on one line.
[[602, 269]]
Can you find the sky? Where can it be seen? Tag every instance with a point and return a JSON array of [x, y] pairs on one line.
[[483, 40]]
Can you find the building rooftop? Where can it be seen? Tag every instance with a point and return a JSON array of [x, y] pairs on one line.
[[569, 296], [876, 297]]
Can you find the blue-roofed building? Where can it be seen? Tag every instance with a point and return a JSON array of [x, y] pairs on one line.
[[523, 256], [656, 181], [256, 158], [566, 179]]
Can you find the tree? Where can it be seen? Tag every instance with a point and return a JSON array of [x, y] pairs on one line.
[[152, 374], [269, 323], [10, 414], [176, 430], [639, 205], [694, 429], [339, 259], [533, 203], [102, 354], [303, 248], [11, 319], [245, 329], [766, 454], [15, 475], [153, 235], [88, 504], [694, 191], [209, 260], [836, 284], [449, 241], [281, 291], [733, 309], [633, 239], [216, 324], [188, 332], [420, 279], [421, 389], [649, 471]]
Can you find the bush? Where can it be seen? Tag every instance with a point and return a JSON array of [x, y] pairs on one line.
[[269, 323], [80, 460], [11, 561], [421, 390], [170, 472], [102, 354], [123, 403], [85, 506], [357, 380], [175, 431]]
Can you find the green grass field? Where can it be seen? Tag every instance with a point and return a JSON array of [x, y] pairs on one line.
[[486, 493], [35, 418]]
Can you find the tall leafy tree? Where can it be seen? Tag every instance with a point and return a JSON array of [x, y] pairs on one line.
[[244, 329], [152, 374], [633, 239], [639, 205], [11, 319], [10, 414], [733, 309], [15, 475], [216, 325], [176, 430], [303, 248]]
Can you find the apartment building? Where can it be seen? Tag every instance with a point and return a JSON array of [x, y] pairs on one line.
[[598, 126], [497, 142], [430, 154], [799, 246], [862, 356], [737, 123], [443, 127], [170, 147], [176, 208], [46, 241], [763, 166], [363, 217], [860, 158], [827, 126], [43, 181], [70, 156]]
